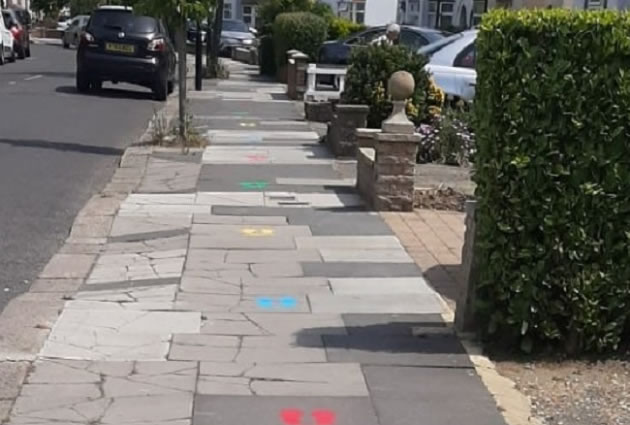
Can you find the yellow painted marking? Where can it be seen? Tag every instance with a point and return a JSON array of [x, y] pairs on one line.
[[256, 232]]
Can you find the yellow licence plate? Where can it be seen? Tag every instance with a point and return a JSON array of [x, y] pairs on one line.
[[120, 48]]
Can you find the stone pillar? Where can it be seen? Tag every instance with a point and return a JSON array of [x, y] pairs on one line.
[[464, 313], [341, 137], [394, 171], [366, 137], [301, 63]]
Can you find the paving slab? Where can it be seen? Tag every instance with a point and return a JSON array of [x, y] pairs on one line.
[[230, 410], [431, 351], [223, 219], [149, 244], [12, 375], [380, 285], [281, 269], [133, 225], [150, 265], [390, 324], [272, 256], [137, 298], [264, 110], [454, 396], [272, 324], [167, 175], [283, 286], [348, 242], [68, 286], [397, 255], [378, 303], [68, 266], [353, 269]]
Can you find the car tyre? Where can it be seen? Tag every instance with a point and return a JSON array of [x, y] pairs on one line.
[[13, 58], [21, 53], [28, 50], [96, 85], [171, 86], [83, 84], [160, 91], [2, 60], [66, 45]]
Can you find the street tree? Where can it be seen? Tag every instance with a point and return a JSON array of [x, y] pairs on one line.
[[175, 14]]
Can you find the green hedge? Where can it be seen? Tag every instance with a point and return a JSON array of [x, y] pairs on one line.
[[553, 176], [369, 71], [303, 31], [340, 28]]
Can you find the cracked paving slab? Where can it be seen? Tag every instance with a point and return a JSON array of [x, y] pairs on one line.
[[116, 334], [134, 266], [138, 298], [133, 225], [86, 392], [245, 324], [163, 175], [229, 303], [298, 379]]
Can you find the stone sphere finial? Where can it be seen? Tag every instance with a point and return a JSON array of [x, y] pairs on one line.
[[401, 85]]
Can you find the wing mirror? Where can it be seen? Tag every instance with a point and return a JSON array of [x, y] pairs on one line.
[[253, 30]]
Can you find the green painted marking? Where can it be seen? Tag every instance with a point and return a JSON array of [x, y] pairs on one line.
[[254, 185]]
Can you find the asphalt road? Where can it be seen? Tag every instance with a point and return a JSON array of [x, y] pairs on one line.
[[57, 148]]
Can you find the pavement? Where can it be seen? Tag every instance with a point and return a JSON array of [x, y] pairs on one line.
[[57, 149], [237, 284]]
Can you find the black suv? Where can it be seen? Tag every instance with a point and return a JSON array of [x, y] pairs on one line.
[[119, 46]]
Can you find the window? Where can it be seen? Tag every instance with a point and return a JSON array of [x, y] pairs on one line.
[[227, 10], [249, 15], [467, 58], [412, 40], [479, 8], [366, 37], [463, 18], [446, 15], [594, 4], [432, 14], [353, 10]]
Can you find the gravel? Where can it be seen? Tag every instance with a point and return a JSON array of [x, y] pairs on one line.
[[574, 392]]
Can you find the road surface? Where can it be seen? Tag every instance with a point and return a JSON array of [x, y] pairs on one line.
[[57, 148]]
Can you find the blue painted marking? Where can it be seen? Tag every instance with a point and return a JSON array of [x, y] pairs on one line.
[[264, 303], [288, 302]]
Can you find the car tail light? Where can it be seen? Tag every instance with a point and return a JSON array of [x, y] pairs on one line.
[[16, 32], [157, 45]]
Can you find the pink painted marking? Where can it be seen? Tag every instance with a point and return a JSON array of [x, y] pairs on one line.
[[324, 417], [292, 416], [257, 157]]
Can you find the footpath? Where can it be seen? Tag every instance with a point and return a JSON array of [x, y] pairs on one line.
[[240, 284]]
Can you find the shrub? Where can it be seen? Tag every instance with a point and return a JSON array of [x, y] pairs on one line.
[[449, 138], [369, 71], [553, 176], [340, 28], [270, 9], [300, 30]]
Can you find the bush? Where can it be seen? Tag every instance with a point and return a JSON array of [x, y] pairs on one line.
[[369, 71], [553, 176], [270, 9], [300, 30], [449, 138], [339, 28]]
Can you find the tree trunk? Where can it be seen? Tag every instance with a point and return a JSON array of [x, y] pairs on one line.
[[209, 40], [198, 58], [181, 54], [216, 38]]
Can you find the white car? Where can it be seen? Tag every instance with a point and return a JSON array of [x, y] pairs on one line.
[[63, 23], [452, 64], [7, 52]]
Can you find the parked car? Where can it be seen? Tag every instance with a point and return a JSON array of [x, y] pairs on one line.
[[235, 34], [337, 52], [7, 52], [191, 31], [72, 35], [63, 23], [119, 46], [452, 64], [21, 36]]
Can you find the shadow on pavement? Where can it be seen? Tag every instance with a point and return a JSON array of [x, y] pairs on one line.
[[108, 93], [444, 279], [61, 146]]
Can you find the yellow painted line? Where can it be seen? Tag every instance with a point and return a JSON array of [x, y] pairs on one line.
[[256, 232]]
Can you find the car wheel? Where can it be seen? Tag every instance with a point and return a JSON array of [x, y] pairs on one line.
[[66, 45], [13, 57], [160, 91], [21, 53], [96, 85], [171, 86], [1, 54], [83, 84], [28, 50]]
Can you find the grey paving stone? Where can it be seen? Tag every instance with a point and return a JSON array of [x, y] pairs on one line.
[[440, 396], [129, 284], [364, 348], [390, 324], [348, 242], [231, 410], [228, 178], [199, 284], [5, 410], [56, 285], [380, 285], [243, 324], [379, 303], [12, 375], [255, 231], [242, 242], [204, 348], [68, 266], [283, 286], [230, 324], [94, 226], [321, 222], [72, 246], [354, 255], [284, 269], [272, 256], [136, 237], [165, 175], [348, 269], [264, 110], [226, 219], [237, 124]]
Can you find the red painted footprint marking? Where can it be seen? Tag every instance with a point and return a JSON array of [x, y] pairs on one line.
[[256, 157], [292, 416], [323, 417]]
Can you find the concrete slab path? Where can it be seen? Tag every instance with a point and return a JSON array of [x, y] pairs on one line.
[[247, 285]]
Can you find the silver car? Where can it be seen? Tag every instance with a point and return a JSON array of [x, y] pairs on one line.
[[72, 34], [452, 64], [235, 34]]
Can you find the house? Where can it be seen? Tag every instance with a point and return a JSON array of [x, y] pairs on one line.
[[24, 4], [444, 14], [368, 12], [244, 10]]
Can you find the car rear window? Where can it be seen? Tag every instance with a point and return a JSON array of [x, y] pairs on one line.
[[236, 26], [123, 21]]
